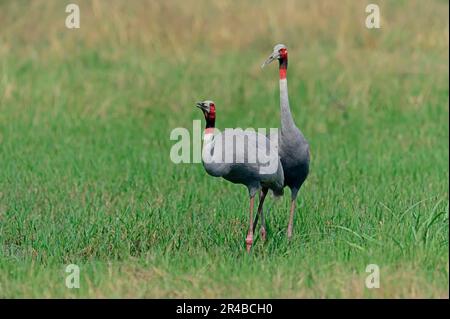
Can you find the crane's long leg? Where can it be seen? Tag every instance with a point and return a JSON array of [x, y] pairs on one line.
[[249, 239], [261, 212], [263, 226], [291, 219], [255, 222]]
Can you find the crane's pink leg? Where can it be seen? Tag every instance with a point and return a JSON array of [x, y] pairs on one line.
[[262, 196], [255, 222], [263, 227], [260, 212], [249, 239], [291, 219]]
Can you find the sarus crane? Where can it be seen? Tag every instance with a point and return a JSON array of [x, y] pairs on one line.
[[255, 175], [293, 147]]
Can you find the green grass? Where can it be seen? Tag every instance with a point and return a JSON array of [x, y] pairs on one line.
[[86, 178]]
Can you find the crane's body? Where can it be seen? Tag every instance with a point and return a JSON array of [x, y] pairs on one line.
[[240, 170]]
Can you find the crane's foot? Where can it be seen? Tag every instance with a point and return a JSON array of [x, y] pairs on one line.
[[249, 242], [263, 233]]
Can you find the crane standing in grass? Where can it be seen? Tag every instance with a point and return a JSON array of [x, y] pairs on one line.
[[241, 170], [293, 147]]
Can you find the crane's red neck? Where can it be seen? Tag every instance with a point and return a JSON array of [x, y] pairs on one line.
[[283, 59], [210, 118]]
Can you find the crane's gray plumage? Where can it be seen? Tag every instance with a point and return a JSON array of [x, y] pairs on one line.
[[293, 147], [240, 147]]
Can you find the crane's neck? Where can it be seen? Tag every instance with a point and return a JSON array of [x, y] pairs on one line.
[[210, 118], [208, 143], [212, 166], [287, 121], [208, 146], [208, 135]]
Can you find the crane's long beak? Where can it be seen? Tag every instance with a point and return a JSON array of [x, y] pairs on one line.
[[272, 57], [200, 105]]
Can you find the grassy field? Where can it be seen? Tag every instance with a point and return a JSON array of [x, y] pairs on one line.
[[86, 178]]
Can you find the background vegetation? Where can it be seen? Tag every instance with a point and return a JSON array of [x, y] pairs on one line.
[[85, 175]]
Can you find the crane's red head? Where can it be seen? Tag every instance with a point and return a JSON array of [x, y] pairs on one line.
[[209, 111], [279, 53], [283, 53]]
